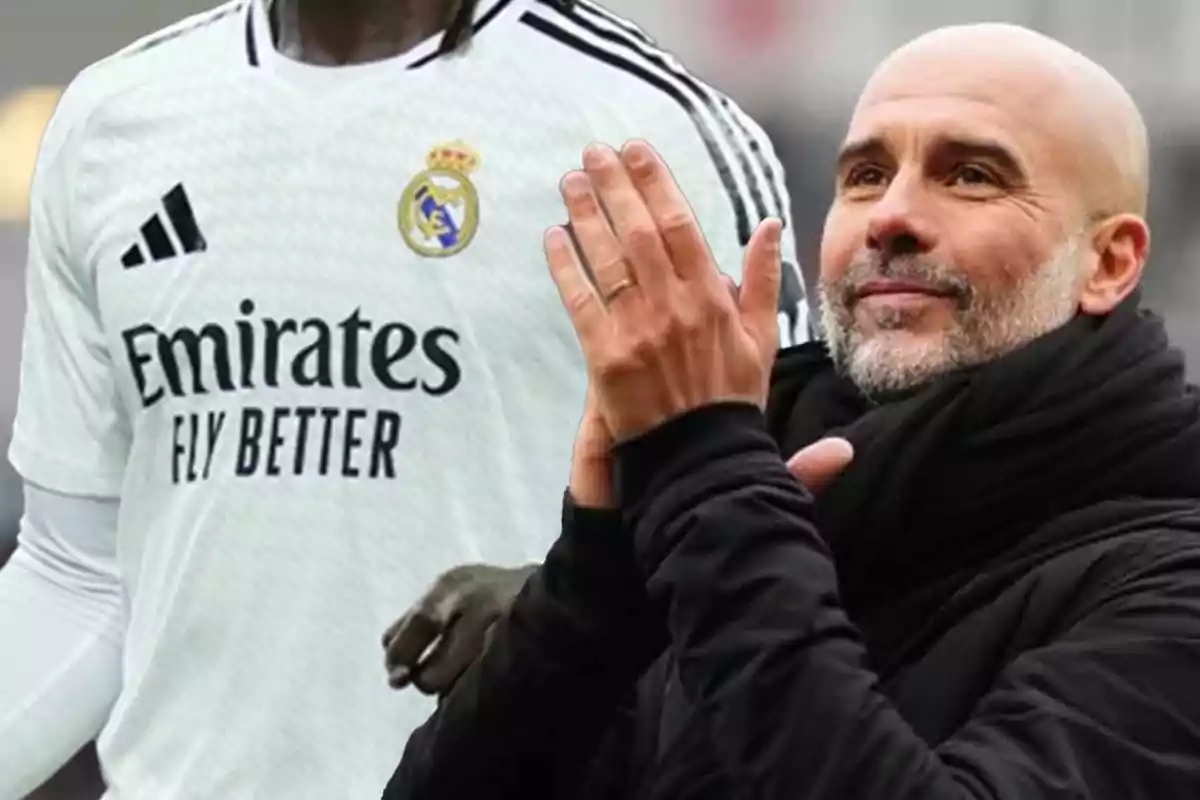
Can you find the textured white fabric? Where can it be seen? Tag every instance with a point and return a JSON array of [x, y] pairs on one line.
[[62, 618], [306, 415]]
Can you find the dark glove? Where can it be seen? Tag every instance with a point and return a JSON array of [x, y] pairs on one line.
[[449, 628]]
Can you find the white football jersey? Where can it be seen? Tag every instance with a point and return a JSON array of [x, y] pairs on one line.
[[298, 320]]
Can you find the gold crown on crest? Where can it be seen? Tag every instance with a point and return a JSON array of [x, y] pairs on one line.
[[454, 156]]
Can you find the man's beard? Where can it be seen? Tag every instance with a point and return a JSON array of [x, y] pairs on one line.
[[985, 325]]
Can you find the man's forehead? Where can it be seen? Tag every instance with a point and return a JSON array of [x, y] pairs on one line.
[[977, 58], [921, 101], [998, 83]]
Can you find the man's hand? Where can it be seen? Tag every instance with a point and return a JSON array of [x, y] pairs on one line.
[[660, 330], [439, 637]]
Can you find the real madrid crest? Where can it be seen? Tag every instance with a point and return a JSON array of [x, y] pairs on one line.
[[439, 210]]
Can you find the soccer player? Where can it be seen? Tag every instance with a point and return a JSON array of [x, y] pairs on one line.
[[290, 353]]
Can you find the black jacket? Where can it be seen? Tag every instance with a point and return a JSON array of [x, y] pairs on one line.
[[1000, 599]]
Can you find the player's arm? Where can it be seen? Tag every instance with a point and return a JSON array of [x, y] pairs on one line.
[[62, 614], [62, 623], [528, 718]]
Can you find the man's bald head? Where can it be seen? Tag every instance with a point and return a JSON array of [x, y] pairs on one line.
[[993, 182], [1053, 86]]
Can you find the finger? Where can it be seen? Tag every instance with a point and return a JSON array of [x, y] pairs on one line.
[[597, 246], [645, 253], [460, 647], [761, 278], [415, 634], [392, 630], [578, 297], [818, 464], [672, 214]]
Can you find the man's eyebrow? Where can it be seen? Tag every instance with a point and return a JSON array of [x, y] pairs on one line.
[[969, 147], [859, 149]]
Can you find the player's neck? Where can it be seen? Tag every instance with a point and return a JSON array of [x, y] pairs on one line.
[[339, 32]]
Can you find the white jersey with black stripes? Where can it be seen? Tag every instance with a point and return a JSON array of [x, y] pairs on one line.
[[740, 155], [296, 321]]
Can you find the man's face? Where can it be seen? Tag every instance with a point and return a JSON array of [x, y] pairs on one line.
[[954, 235]]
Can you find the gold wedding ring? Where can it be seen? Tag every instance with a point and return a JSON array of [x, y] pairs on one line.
[[617, 288]]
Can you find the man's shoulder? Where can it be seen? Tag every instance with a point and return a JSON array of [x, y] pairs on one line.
[[619, 66], [610, 75], [180, 40], [1167, 542], [195, 46], [1127, 546], [1145, 580]]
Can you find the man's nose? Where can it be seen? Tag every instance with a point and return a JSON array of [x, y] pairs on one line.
[[900, 223]]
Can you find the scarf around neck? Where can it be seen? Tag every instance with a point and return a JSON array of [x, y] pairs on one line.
[[953, 477]]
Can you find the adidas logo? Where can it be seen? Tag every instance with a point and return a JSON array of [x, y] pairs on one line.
[[156, 238]]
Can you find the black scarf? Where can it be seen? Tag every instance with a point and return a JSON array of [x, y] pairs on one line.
[[949, 480]]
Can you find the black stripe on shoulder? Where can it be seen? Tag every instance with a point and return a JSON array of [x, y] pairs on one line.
[[736, 116], [728, 115], [754, 163], [251, 43], [181, 29], [761, 158], [715, 151], [629, 26]]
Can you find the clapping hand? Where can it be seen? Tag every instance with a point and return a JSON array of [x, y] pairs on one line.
[[660, 330]]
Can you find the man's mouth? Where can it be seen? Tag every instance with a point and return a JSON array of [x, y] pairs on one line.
[[891, 287]]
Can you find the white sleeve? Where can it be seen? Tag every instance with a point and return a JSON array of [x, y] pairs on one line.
[[70, 433], [728, 168], [62, 616], [62, 622]]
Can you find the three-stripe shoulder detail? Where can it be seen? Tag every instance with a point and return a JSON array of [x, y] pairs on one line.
[[742, 156], [184, 27]]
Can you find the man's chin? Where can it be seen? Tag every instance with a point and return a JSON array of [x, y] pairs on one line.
[[897, 361]]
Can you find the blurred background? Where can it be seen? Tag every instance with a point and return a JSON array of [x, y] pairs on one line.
[[796, 65]]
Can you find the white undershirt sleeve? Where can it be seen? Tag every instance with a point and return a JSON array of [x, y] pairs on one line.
[[62, 622], [62, 609]]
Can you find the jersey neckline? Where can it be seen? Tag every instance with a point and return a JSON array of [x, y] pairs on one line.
[[262, 52]]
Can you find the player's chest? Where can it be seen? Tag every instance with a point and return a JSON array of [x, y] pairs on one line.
[[419, 211], [411, 248]]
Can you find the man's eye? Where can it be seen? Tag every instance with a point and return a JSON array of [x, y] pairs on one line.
[[866, 175], [971, 175]]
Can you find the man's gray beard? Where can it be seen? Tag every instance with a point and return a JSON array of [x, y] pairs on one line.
[[986, 326]]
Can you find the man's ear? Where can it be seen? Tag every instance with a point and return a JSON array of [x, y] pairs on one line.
[[1121, 245]]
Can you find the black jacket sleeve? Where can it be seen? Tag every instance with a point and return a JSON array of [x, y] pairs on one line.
[[529, 717], [775, 668]]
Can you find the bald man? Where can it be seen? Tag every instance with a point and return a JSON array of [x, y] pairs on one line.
[[977, 576]]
